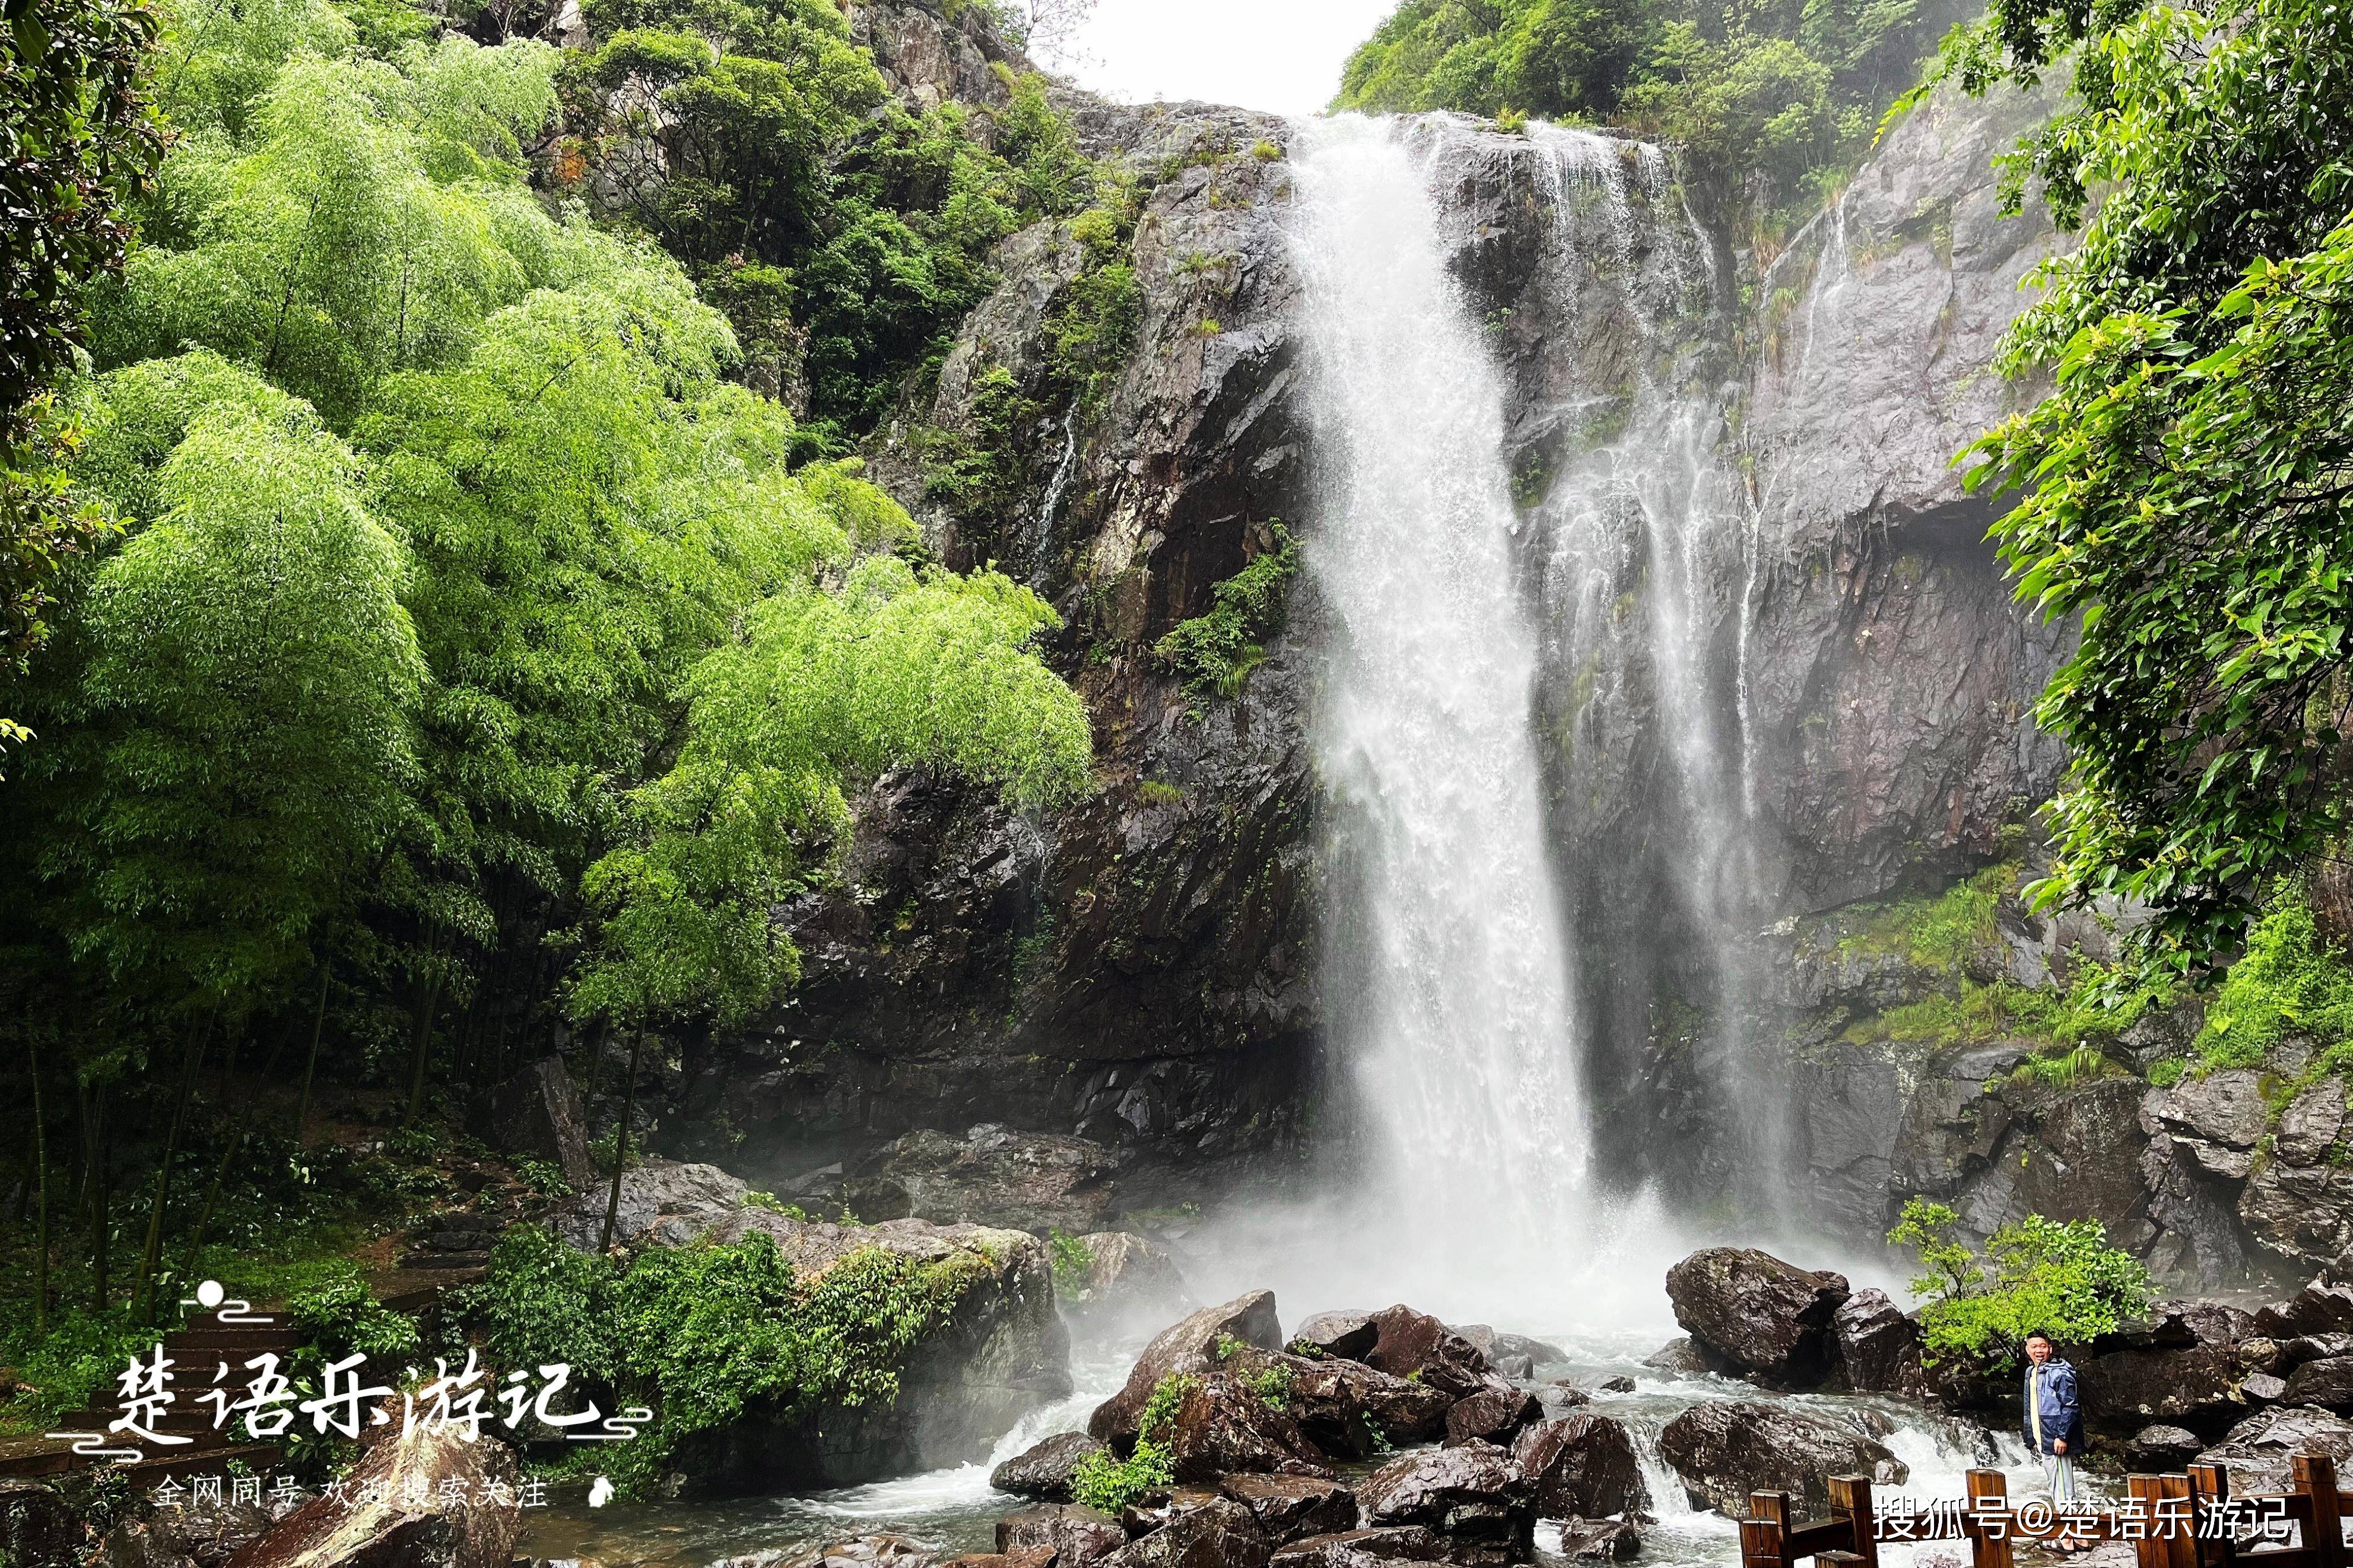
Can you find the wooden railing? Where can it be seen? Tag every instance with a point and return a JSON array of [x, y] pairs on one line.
[[2186, 1520]]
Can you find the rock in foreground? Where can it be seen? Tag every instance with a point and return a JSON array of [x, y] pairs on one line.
[[1581, 1467], [1472, 1495], [1001, 1351], [392, 1532], [1044, 1470], [1726, 1450], [1188, 1346]]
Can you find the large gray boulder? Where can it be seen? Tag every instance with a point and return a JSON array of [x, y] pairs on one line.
[[1001, 1352], [1724, 1450], [39, 1529], [1758, 1316], [1044, 1469], [1188, 1346]]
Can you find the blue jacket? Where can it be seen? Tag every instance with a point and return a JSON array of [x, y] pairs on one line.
[[2063, 1409]]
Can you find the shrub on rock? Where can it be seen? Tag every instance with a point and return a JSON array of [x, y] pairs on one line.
[[1188, 1346]]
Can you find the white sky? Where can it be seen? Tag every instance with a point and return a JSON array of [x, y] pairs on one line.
[[1278, 54]]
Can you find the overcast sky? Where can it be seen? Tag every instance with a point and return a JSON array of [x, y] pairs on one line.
[[1278, 54]]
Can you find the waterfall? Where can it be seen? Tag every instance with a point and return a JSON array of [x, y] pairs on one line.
[[1457, 1028]]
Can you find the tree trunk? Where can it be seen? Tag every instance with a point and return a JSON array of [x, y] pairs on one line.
[[430, 1005], [621, 1139], [143, 1287], [41, 1177], [101, 1204], [220, 1171], [318, 1024]]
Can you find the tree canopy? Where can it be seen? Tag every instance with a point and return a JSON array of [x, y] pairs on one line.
[[2187, 489], [463, 604]]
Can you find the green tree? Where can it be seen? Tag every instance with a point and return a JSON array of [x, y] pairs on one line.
[[896, 669], [235, 748], [2037, 1276], [78, 145], [2188, 487]]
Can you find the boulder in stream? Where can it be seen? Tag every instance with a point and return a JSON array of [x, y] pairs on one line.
[[1584, 1466], [2321, 1307], [1346, 1335], [189, 1535], [1344, 1406], [1044, 1469], [1758, 1316], [1292, 1508], [1218, 1533], [1878, 1345], [1188, 1346], [1077, 1536], [1362, 1549], [1471, 1495], [1724, 1450], [2257, 1450], [2329, 1381], [1416, 1345], [1493, 1415], [1223, 1427], [1599, 1541]]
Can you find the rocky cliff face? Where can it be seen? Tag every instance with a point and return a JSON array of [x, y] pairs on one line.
[[1782, 672]]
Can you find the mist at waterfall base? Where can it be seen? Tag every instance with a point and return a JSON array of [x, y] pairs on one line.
[[1464, 1089]]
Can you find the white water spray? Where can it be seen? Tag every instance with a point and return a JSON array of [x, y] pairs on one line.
[[1458, 1027]]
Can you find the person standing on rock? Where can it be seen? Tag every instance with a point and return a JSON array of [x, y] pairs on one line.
[[2054, 1416]]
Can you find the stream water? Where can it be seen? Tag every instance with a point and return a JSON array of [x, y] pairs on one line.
[[955, 1509]]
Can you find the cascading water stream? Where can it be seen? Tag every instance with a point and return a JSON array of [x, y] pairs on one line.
[[1459, 1031]]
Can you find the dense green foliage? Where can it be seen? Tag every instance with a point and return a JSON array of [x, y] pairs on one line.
[[2186, 485], [1785, 89], [77, 143], [468, 646], [1955, 937], [844, 236], [1104, 1481], [2036, 1276], [704, 1333], [2288, 981], [1216, 650]]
